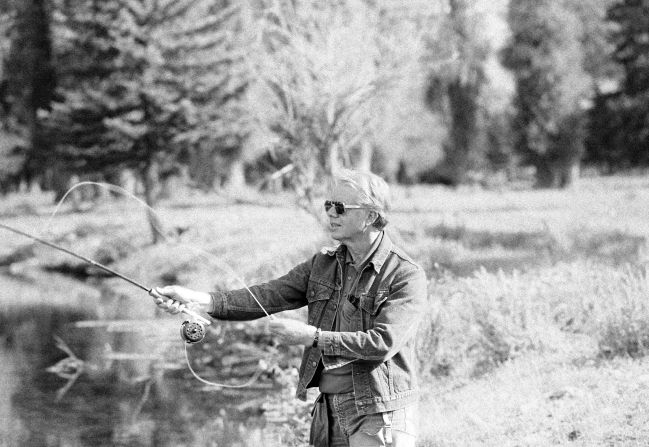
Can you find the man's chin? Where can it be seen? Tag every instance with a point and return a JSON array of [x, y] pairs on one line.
[[335, 234]]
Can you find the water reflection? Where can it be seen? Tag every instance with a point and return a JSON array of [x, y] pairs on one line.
[[128, 402]]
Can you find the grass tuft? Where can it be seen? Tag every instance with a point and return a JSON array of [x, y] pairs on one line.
[[475, 324]]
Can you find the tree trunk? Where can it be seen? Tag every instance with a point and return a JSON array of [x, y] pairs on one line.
[[365, 156], [203, 167], [127, 179], [236, 175], [545, 175], [569, 174], [332, 161], [464, 108], [150, 181]]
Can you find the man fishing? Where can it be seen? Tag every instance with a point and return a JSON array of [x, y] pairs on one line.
[[364, 301]]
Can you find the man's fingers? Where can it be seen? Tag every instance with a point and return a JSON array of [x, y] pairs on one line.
[[171, 306], [276, 325], [168, 304], [174, 307], [165, 290], [155, 292]]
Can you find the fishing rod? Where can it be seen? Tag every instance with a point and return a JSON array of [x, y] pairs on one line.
[[191, 331]]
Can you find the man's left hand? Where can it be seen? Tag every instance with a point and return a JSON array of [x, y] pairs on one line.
[[292, 332]]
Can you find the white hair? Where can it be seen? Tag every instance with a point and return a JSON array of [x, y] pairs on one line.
[[373, 190]]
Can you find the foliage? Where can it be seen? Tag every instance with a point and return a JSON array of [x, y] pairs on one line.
[[26, 87], [479, 322], [549, 122], [619, 130], [28, 67], [311, 99], [321, 68], [630, 43], [140, 81], [137, 77], [204, 90], [456, 89]]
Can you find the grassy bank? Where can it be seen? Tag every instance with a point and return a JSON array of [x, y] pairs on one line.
[[537, 324]]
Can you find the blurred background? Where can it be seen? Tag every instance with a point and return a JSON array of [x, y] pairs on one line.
[[189, 142]]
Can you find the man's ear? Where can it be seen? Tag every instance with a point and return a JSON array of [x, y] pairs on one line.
[[371, 217]]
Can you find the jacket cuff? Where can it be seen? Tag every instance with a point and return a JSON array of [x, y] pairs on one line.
[[330, 345], [219, 307]]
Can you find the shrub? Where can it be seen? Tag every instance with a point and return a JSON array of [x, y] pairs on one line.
[[621, 325], [479, 322]]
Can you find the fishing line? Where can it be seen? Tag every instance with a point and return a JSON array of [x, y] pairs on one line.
[[108, 186], [207, 255], [210, 256], [183, 308], [252, 380]]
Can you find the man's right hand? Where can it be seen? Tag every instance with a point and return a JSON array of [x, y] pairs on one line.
[[170, 298]]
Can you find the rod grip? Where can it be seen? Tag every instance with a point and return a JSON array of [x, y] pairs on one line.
[[183, 308]]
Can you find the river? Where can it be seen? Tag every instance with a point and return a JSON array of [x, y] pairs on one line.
[[127, 384]]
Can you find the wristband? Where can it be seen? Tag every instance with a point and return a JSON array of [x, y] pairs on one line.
[[315, 339]]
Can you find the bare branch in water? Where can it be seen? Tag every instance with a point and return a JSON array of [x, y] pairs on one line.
[[69, 368]]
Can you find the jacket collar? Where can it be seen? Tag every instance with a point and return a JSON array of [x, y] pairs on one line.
[[378, 258]]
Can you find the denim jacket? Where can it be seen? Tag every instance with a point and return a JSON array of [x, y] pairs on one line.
[[388, 300]]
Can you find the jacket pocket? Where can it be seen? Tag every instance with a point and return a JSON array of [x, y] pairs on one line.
[[372, 303], [317, 295], [318, 291]]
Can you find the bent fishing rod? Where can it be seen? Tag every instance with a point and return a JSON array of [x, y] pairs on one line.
[[191, 331]]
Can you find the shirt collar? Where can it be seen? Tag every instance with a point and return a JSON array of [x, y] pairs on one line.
[[377, 259], [368, 255]]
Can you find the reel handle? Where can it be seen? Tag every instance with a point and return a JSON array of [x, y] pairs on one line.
[[184, 309]]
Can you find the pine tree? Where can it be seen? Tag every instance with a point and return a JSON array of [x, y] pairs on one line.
[[620, 119], [9, 163], [28, 80], [142, 80]]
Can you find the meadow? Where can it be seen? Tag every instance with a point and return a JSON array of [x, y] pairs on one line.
[[537, 325]]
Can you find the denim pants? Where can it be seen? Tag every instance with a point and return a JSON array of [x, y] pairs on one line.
[[336, 424]]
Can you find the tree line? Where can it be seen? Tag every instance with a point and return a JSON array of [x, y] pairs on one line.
[[277, 92]]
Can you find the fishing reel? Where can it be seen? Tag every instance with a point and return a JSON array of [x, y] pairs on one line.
[[192, 331]]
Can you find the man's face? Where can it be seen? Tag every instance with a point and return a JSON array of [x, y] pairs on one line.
[[350, 225]]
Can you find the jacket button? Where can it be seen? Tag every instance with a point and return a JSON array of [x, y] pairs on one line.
[[312, 292], [314, 364]]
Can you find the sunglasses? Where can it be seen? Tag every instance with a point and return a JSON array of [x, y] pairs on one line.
[[340, 207]]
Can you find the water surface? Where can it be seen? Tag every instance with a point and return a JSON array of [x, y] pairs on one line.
[[131, 390]]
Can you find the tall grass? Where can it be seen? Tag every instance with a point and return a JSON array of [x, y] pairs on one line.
[[473, 324]]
